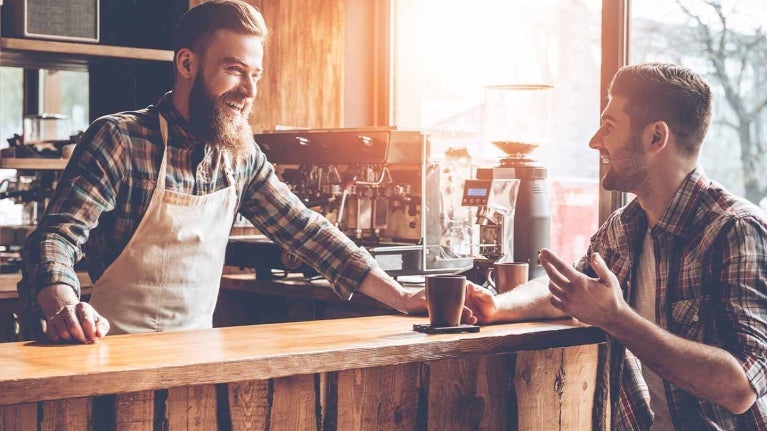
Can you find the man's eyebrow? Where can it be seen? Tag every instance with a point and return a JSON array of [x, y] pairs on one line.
[[230, 60]]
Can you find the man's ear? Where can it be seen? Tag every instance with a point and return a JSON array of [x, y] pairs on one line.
[[185, 62], [656, 134]]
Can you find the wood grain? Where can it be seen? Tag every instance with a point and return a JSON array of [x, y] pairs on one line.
[[467, 393], [378, 398], [249, 404], [130, 363], [19, 417], [303, 65], [537, 387], [65, 415], [134, 411], [579, 366], [192, 408], [296, 404]]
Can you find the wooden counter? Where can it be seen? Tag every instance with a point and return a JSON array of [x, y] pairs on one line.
[[364, 373]]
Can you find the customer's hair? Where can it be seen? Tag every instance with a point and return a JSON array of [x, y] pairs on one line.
[[199, 23], [666, 92]]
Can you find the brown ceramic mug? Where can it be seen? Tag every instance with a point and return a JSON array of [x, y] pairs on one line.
[[445, 295], [507, 275]]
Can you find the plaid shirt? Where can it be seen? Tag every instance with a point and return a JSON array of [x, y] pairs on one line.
[[711, 272], [107, 185]]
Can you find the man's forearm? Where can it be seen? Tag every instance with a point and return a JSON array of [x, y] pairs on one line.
[[705, 371], [527, 302]]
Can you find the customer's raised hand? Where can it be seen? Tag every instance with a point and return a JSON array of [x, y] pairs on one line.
[[591, 300]]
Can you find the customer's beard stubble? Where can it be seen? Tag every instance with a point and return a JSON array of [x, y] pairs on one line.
[[211, 123]]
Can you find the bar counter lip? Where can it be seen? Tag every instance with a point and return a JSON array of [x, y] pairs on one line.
[[34, 371]]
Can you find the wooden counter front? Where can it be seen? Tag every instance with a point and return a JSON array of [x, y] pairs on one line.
[[344, 374]]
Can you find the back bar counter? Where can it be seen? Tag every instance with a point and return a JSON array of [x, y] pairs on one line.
[[364, 373]]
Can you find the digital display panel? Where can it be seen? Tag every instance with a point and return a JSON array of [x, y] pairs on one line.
[[476, 192]]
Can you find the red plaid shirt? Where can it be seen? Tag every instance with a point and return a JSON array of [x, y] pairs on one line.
[[711, 272]]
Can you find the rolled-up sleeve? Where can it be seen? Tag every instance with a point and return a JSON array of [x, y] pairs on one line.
[[744, 298], [87, 188]]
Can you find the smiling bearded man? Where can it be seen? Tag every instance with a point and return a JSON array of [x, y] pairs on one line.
[[212, 119]]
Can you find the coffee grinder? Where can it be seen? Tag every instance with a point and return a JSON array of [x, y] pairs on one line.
[[516, 122], [495, 200]]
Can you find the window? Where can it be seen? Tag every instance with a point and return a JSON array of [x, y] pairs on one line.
[[446, 52], [11, 102], [724, 41], [60, 92]]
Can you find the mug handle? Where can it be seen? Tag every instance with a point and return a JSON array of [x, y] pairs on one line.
[[489, 277]]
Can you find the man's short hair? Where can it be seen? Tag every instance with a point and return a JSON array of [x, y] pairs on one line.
[[666, 92], [199, 23]]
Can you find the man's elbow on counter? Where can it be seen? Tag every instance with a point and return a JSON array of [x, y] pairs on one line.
[[741, 402]]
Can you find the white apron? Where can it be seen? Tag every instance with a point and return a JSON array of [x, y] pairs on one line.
[[167, 277]]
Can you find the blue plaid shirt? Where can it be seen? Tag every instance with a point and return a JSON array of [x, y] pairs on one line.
[[711, 287], [108, 183]]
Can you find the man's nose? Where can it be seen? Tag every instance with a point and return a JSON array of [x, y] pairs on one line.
[[596, 141], [248, 87]]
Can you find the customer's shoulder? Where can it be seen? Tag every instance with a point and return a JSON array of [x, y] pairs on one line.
[[718, 206]]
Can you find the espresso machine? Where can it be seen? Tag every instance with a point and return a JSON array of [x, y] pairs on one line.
[[379, 186]]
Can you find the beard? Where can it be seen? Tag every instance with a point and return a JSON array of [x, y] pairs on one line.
[[212, 120], [626, 169]]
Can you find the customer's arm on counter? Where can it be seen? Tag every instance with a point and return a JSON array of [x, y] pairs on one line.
[[528, 301]]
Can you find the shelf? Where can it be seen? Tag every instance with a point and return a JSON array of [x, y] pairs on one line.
[[83, 49], [37, 164]]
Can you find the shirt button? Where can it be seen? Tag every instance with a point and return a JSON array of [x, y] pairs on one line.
[[695, 318]]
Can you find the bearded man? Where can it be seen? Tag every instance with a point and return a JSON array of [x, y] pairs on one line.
[[150, 196]]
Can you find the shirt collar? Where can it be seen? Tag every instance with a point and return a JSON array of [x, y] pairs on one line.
[[178, 127], [678, 217]]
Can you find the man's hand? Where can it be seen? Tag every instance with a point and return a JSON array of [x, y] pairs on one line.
[[67, 320], [596, 301], [480, 307]]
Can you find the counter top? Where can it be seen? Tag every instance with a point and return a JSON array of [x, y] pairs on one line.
[[34, 371]]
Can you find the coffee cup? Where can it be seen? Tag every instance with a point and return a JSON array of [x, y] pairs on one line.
[[504, 276], [445, 295]]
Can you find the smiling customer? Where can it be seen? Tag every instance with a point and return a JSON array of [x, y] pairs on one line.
[[150, 197], [677, 278]]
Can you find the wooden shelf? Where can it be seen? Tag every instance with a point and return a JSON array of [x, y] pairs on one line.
[[38, 164], [83, 49]]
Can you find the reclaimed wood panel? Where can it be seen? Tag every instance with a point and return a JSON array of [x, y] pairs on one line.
[[19, 417], [467, 393], [555, 388], [65, 415], [249, 404], [538, 388], [384, 398], [134, 411], [192, 408], [579, 365], [296, 405]]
